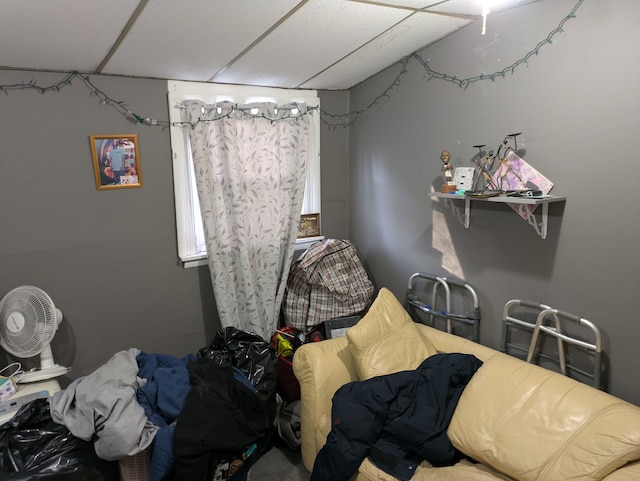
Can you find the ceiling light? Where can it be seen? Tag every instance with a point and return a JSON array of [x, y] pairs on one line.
[[486, 9], [485, 12]]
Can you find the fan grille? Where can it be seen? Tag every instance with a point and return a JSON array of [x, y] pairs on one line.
[[39, 313]]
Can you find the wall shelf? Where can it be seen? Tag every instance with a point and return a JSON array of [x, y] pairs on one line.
[[539, 226]]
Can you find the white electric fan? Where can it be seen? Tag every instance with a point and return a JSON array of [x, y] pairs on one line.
[[28, 322]]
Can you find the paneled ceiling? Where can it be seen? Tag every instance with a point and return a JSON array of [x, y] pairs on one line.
[[317, 44]]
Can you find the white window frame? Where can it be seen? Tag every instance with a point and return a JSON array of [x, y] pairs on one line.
[[191, 248]]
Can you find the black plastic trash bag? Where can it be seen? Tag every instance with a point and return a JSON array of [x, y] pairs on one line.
[[252, 355], [33, 447]]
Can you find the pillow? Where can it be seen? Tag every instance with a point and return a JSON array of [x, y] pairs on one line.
[[386, 340]]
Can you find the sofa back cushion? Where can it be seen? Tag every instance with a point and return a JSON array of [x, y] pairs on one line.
[[386, 340], [534, 424], [448, 343]]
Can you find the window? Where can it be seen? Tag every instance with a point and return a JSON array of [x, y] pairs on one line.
[[191, 244]]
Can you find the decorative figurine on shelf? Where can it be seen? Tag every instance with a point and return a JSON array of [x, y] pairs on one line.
[[504, 167], [447, 172], [484, 164]]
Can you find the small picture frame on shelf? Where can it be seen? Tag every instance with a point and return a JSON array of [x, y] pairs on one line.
[[463, 177], [309, 225], [116, 161]]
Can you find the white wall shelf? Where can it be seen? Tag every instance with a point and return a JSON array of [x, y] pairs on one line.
[[539, 226]]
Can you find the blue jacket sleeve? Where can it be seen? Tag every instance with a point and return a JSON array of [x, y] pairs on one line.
[[358, 416]]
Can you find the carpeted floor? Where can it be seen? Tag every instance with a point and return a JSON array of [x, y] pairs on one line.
[[279, 464]]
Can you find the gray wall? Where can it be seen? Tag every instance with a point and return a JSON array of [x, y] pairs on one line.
[[578, 108], [335, 169], [109, 259]]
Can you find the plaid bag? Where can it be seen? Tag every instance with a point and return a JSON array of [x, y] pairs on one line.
[[327, 281]]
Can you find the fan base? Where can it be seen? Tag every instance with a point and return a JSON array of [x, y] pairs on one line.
[[43, 374]]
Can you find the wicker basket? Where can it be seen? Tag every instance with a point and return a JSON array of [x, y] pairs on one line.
[[136, 467]]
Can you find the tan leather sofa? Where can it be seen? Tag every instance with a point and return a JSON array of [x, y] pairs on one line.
[[517, 421]]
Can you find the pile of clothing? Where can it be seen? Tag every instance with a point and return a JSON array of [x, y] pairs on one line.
[[205, 416]]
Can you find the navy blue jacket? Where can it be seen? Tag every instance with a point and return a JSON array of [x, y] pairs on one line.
[[397, 420]]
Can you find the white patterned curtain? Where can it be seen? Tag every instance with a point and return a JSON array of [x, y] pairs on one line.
[[250, 167]]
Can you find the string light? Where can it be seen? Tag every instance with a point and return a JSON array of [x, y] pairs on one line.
[[332, 120], [353, 116]]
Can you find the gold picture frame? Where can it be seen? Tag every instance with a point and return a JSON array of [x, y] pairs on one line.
[[309, 225], [109, 151]]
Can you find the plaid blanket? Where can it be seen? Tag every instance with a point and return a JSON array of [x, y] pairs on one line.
[[327, 281]]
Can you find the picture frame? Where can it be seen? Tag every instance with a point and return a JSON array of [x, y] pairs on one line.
[[309, 225], [109, 151], [463, 177]]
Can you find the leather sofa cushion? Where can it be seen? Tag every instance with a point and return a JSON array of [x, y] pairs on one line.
[[534, 424], [386, 340], [464, 470]]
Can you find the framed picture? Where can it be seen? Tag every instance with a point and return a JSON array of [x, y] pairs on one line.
[[116, 161], [309, 225], [463, 177]]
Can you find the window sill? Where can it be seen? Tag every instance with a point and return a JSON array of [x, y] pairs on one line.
[[194, 261], [304, 242]]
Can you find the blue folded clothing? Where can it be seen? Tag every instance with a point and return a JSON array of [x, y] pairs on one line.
[[162, 398]]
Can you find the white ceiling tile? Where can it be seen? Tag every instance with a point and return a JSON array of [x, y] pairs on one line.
[[466, 7], [61, 34], [415, 33], [474, 7], [193, 39], [321, 33], [411, 3]]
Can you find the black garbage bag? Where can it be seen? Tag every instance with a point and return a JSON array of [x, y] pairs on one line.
[[33, 447], [252, 355]]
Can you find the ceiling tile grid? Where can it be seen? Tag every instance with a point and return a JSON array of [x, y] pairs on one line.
[[318, 44], [193, 39]]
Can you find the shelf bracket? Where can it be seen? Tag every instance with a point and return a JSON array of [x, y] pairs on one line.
[[540, 227], [462, 218]]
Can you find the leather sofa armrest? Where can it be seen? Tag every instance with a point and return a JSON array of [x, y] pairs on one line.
[[321, 369]]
